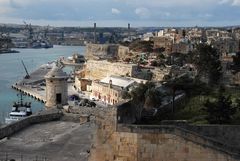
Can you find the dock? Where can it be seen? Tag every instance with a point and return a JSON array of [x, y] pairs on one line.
[[31, 91], [35, 85]]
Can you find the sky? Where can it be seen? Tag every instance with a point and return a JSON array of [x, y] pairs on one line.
[[118, 13]]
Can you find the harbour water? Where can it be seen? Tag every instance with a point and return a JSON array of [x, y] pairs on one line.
[[11, 70]]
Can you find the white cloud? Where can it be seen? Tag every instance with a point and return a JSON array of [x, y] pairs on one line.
[[223, 1], [142, 12], [231, 2], [236, 3], [115, 11]]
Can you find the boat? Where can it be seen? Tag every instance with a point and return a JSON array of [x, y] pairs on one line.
[[20, 110]]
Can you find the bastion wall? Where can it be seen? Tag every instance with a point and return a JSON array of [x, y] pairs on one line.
[[124, 142]]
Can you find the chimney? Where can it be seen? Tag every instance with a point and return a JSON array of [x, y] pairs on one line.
[[95, 26], [110, 83], [129, 27]]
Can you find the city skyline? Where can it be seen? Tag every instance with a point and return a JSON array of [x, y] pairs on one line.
[[117, 13]]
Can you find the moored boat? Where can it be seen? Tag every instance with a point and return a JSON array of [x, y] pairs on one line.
[[19, 111]]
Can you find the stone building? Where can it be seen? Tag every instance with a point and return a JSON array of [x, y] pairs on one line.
[[163, 42], [56, 87], [110, 89], [181, 48], [101, 51]]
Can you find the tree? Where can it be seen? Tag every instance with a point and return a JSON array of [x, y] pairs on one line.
[[181, 83], [144, 95], [236, 62], [159, 50], [184, 33], [220, 111], [207, 60]]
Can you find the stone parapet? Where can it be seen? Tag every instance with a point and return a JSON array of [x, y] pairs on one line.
[[45, 116]]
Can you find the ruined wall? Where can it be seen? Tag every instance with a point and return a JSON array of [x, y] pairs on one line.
[[101, 69]]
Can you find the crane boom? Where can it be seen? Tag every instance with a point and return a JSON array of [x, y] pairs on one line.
[[27, 75]]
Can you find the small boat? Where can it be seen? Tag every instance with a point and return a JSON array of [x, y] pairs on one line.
[[19, 111]]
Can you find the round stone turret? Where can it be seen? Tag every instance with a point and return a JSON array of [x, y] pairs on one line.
[[56, 88]]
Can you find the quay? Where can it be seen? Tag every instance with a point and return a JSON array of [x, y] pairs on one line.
[[28, 90], [34, 86]]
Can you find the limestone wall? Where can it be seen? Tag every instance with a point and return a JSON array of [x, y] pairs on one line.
[[123, 52], [101, 69], [101, 51], [119, 142], [165, 143], [226, 134], [105, 51], [158, 74], [10, 129], [54, 87]]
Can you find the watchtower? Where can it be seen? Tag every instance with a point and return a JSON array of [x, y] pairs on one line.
[[56, 87]]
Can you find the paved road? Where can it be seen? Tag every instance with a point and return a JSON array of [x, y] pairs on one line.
[[57, 141]]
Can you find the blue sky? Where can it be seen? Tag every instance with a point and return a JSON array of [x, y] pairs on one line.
[[120, 12]]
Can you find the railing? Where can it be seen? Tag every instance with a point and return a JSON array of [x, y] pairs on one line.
[[4, 156]]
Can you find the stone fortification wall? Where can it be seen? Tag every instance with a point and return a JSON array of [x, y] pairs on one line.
[[106, 51], [101, 69], [118, 142], [46, 116], [123, 52], [101, 51], [226, 134]]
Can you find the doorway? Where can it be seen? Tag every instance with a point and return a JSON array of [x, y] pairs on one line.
[[58, 98]]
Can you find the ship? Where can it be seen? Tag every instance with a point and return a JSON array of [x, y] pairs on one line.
[[20, 110]]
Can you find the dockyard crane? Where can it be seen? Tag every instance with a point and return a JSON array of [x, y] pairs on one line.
[[27, 75], [29, 28]]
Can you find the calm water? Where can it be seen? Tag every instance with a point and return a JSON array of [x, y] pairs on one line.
[[11, 70]]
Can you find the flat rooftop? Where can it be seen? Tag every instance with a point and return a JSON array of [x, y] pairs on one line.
[[57, 141]]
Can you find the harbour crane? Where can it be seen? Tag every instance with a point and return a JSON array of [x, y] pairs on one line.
[[27, 75], [29, 28]]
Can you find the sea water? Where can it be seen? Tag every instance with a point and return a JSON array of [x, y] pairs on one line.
[[12, 70]]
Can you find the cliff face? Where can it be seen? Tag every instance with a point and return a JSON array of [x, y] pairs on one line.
[[106, 51]]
